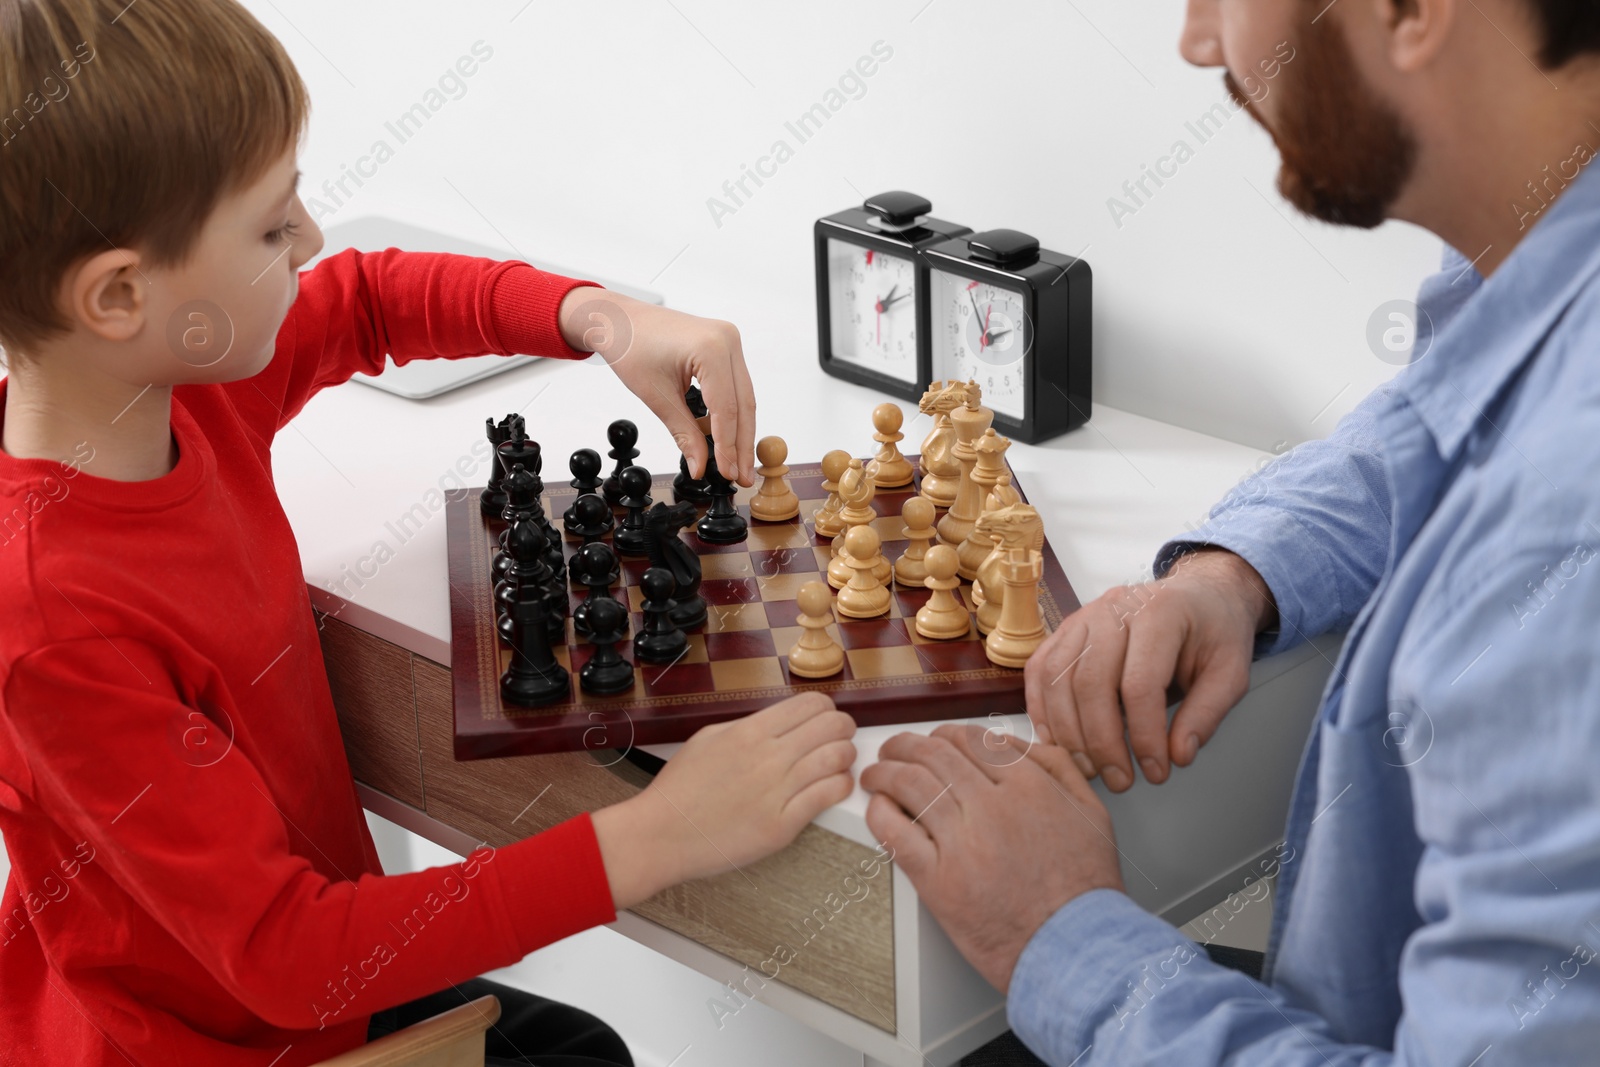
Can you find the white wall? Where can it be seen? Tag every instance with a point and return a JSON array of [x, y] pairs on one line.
[[596, 134]]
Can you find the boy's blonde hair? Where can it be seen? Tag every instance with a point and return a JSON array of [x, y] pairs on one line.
[[123, 125]]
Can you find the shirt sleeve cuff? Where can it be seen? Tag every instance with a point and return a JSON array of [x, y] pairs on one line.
[[554, 885], [524, 310], [1288, 559], [1072, 972]]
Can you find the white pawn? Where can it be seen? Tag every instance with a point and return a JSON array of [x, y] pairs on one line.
[[889, 468], [815, 655], [774, 501], [943, 617], [911, 569], [864, 597]]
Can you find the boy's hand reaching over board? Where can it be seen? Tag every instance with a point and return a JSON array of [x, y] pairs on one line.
[[656, 351], [735, 793]]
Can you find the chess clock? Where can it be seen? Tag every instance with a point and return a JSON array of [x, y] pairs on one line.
[[872, 291], [1016, 319]]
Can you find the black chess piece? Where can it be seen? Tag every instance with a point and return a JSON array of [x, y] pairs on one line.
[[589, 518], [631, 538], [585, 467], [523, 505], [520, 500], [519, 449], [606, 672], [535, 677], [595, 567], [658, 641], [722, 525], [493, 499], [668, 551], [686, 487], [623, 435]]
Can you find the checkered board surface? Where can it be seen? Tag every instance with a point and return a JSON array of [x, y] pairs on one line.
[[737, 662]]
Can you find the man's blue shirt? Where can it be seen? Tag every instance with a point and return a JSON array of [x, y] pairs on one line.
[[1439, 894]]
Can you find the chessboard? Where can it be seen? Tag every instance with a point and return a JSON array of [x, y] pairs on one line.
[[737, 662]]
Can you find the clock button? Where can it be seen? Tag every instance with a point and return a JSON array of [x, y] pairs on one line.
[[900, 208], [1002, 246]]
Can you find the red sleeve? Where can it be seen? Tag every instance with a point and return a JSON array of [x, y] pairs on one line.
[[355, 308], [205, 852]]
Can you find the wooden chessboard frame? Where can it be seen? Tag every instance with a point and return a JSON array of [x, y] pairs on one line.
[[741, 651]]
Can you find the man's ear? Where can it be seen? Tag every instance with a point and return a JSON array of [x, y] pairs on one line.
[[105, 294], [1418, 30]]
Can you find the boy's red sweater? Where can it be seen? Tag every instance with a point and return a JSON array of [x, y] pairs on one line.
[[192, 880]]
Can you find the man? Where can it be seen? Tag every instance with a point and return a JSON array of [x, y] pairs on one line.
[[1439, 899]]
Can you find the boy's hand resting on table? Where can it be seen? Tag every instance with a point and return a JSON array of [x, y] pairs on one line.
[[1196, 626], [656, 351], [735, 793]]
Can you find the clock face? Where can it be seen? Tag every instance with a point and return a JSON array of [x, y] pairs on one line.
[[981, 333], [872, 302]]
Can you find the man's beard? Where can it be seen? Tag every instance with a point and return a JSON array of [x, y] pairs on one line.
[[1346, 154]]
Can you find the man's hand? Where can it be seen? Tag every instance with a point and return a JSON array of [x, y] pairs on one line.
[[735, 793], [1196, 626], [995, 834], [656, 351]]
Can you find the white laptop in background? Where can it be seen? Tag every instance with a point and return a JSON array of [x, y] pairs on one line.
[[425, 378]]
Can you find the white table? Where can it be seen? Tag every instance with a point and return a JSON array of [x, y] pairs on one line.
[[357, 460]]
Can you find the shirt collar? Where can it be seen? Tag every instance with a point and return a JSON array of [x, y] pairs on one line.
[[1476, 334]]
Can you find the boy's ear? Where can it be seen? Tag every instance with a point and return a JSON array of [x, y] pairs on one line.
[[105, 294]]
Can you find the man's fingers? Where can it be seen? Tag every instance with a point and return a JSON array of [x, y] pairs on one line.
[[908, 841], [1048, 685], [946, 758], [1095, 684], [1146, 669], [914, 787], [990, 749], [1215, 691]]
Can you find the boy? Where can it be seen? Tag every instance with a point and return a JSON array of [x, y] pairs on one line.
[[164, 908]]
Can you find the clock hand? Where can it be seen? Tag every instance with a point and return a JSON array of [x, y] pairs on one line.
[[983, 342]]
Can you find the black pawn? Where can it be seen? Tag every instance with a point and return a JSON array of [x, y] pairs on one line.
[[493, 499], [523, 506], [684, 486], [589, 518], [631, 538], [520, 486], [585, 467], [520, 450], [595, 566], [623, 435], [534, 677], [659, 640], [722, 525], [606, 672]]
